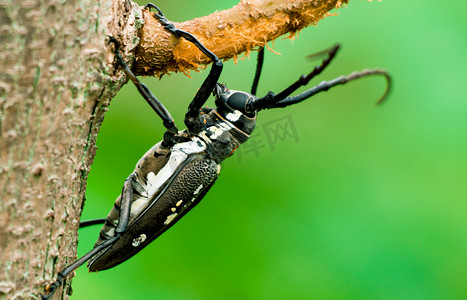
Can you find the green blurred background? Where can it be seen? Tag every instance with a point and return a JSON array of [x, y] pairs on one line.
[[369, 203]]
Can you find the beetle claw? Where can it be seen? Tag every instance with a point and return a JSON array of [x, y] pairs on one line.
[[50, 288]]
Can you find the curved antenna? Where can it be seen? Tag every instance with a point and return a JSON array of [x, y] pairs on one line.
[[383, 98], [326, 85]]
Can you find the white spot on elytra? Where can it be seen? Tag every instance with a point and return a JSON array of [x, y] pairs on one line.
[[173, 209], [179, 202], [198, 189], [137, 241], [170, 218]]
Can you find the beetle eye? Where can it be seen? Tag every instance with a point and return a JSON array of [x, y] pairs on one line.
[[237, 101]]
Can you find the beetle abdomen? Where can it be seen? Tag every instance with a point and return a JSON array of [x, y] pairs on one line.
[[187, 187]]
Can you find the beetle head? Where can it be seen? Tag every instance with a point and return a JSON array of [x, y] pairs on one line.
[[232, 106]]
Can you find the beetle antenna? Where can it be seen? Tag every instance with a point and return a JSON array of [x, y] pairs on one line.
[[319, 54], [272, 98], [326, 85], [303, 80], [91, 222]]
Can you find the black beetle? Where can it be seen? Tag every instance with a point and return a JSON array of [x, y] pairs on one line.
[[176, 173]]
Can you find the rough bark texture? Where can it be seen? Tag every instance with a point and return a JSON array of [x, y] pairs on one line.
[[56, 82]]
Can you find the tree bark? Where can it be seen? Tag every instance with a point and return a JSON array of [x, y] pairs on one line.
[[58, 76]]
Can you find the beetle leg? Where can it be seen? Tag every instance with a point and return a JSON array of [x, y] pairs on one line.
[[155, 104], [50, 289], [118, 218], [124, 216], [259, 68], [191, 117], [326, 85], [159, 13], [125, 205]]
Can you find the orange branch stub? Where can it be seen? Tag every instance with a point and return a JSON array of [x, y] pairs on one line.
[[246, 26]]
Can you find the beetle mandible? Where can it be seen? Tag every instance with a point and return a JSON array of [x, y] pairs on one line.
[[176, 173]]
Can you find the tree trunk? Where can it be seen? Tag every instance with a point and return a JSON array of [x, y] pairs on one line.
[[56, 83], [58, 76]]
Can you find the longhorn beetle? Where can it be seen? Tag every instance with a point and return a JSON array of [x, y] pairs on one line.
[[176, 173]]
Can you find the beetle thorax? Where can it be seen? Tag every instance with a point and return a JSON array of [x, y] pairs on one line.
[[221, 135]]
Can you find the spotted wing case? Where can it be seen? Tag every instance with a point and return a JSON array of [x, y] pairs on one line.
[[166, 185]]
